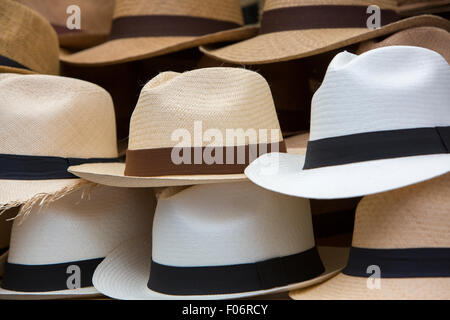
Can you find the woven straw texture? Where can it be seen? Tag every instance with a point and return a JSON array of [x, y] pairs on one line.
[[411, 217], [27, 38]]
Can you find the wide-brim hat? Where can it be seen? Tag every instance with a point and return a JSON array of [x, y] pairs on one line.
[[297, 28], [376, 135], [400, 239], [28, 43], [54, 250], [245, 248], [176, 109], [143, 29]]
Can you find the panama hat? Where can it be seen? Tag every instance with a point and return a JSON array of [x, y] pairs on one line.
[[201, 126], [293, 29], [94, 19], [221, 241], [48, 123], [143, 28], [28, 43], [380, 121], [5, 233], [405, 235], [432, 38], [55, 250]]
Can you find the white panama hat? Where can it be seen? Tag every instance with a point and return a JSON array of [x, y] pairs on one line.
[[220, 241], [54, 251], [380, 121]]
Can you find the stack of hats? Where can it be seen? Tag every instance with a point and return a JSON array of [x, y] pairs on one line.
[[320, 169]]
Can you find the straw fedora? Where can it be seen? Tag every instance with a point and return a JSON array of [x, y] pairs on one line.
[[55, 250], [142, 29], [28, 43], [48, 123], [201, 126], [432, 38], [222, 241], [293, 29], [414, 7], [95, 19], [370, 131], [405, 233]]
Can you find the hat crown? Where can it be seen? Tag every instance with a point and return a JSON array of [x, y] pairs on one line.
[[276, 4], [412, 217], [55, 116], [226, 224], [226, 10], [217, 99], [388, 88], [28, 38], [73, 229]]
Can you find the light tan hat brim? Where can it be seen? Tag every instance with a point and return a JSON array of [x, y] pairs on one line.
[[125, 272], [4, 69], [343, 287], [131, 49], [295, 44]]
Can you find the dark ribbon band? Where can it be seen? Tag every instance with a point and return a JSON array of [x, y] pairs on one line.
[[263, 275], [20, 167], [60, 30], [376, 146], [167, 26], [320, 17], [399, 263], [4, 61], [159, 162], [50, 277]]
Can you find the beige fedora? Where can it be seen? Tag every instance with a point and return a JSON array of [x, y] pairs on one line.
[[46, 124], [201, 126], [28, 43], [293, 29], [404, 237], [432, 38], [95, 19], [414, 7], [143, 29]]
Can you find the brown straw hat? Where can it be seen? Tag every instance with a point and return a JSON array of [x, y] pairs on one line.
[[432, 38], [293, 29], [403, 236], [414, 7], [145, 28], [28, 43], [95, 20]]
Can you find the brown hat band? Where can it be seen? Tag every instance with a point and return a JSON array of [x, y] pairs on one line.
[[320, 16], [7, 62], [166, 26], [64, 30], [232, 160]]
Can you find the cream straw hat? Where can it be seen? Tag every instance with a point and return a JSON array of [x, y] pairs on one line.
[[406, 234], [201, 126], [147, 28], [221, 241], [380, 121], [55, 250], [48, 123], [293, 29], [28, 43]]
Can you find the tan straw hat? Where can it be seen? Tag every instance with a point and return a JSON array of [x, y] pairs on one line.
[[432, 38], [201, 126], [28, 43], [292, 29], [401, 246], [48, 123], [147, 28], [94, 19], [414, 7]]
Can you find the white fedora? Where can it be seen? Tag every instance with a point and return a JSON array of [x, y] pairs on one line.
[[220, 241], [380, 121], [54, 252]]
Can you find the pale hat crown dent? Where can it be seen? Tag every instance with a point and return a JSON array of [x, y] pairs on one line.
[[28, 40]]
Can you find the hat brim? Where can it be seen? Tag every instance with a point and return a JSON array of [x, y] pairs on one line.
[[295, 44], [343, 287], [132, 49], [125, 272], [5, 69], [88, 292], [283, 173]]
